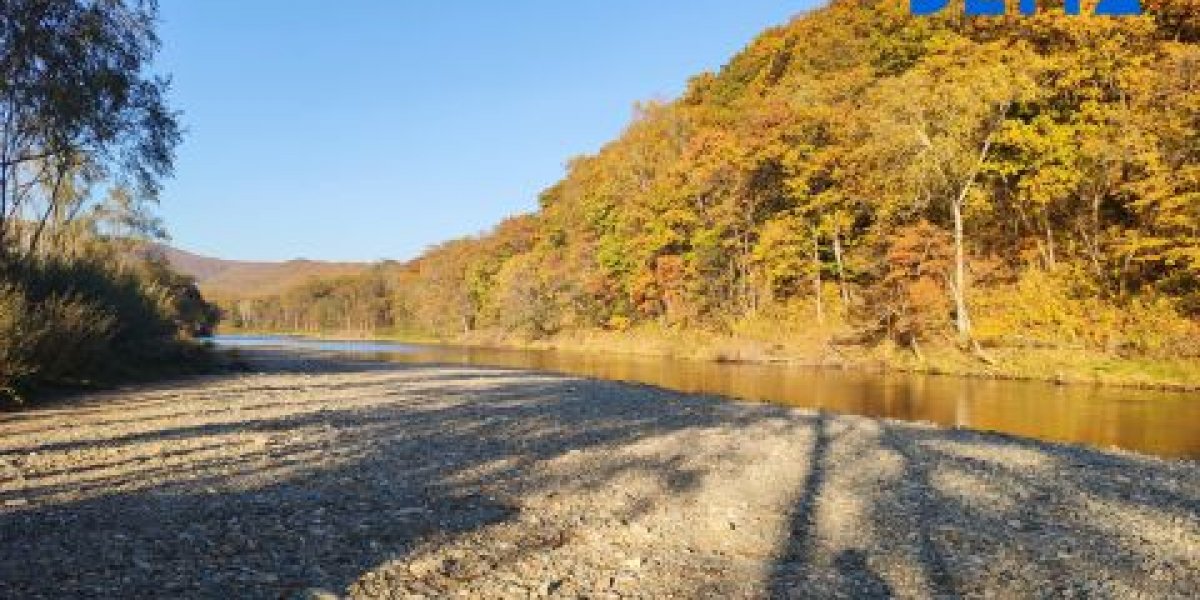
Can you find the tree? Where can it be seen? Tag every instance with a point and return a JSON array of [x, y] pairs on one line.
[[78, 107], [931, 169], [939, 122], [912, 292]]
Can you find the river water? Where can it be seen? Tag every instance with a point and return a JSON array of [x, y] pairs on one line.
[[1153, 422]]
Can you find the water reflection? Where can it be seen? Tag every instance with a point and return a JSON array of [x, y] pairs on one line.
[[1161, 423]]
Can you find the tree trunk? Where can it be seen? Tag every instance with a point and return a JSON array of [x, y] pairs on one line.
[[749, 299], [52, 211], [817, 284], [1051, 254], [837, 256], [916, 348], [4, 180], [3, 206], [962, 319]]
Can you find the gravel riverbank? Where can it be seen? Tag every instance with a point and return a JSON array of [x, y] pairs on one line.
[[318, 478]]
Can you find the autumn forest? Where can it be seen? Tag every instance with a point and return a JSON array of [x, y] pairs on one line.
[[977, 191], [881, 306]]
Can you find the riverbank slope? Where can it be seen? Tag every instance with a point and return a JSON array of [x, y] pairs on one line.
[[1035, 363], [823, 349], [374, 480]]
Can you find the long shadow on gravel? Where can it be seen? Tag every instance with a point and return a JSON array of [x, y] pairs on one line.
[[319, 494], [891, 509], [240, 489]]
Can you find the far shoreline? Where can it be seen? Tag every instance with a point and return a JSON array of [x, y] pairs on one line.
[[725, 349]]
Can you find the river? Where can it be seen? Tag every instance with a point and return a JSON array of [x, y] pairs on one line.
[[1154, 422]]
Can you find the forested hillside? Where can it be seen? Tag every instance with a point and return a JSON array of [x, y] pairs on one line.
[[221, 278], [858, 174]]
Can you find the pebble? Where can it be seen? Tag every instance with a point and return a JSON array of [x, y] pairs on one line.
[[316, 594], [435, 482]]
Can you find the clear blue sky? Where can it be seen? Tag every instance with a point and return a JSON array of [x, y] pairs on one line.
[[360, 130]]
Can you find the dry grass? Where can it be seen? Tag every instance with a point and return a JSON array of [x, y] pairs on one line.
[[817, 347]]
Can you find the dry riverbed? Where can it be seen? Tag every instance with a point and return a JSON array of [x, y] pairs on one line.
[[317, 478]]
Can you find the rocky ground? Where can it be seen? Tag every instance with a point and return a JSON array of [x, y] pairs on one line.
[[314, 478]]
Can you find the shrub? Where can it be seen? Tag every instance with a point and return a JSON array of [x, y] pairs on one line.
[[92, 318], [1053, 309]]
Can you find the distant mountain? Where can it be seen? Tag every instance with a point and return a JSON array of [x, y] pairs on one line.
[[222, 278], [203, 268]]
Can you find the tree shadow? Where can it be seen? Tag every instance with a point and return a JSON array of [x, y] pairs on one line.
[[892, 509], [855, 574], [796, 558], [268, 498], [249, 487]]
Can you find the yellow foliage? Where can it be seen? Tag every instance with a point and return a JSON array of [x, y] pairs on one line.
[[1045, 309]]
